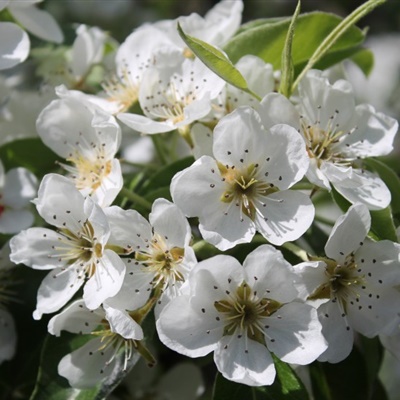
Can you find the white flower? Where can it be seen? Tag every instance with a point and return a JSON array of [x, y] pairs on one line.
[[355, 286], [14, 46], [174, 97], [243, 314], [17, 188], [88, 139], [337, 134], [244, 188], [112, 329], [77, 253], [163, 257]]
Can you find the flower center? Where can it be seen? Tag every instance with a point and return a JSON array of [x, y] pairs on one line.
[[122, 90], [244, 313], [81, 247], [321, 142], [163, 261], [243, 188], [343, 281], [86, 173]]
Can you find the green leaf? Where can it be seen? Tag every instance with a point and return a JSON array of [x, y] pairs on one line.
[[216, 61], [267, 40], [29, 153], [319, 383], [163, 177], [390, 178], [228, 390], [340, 30], [382, 224], [287, 61], [287, 385], [364, 59]]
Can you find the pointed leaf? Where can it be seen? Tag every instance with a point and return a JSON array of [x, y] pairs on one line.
[[216, 60]]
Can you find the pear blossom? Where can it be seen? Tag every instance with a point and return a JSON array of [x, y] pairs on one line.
[[87, 138], [112, 330], [17, 188], [162, 259], [8, 333], [337, 134], [78, 253], [245, 187], [243, 313], [355, 288], [174, 97]]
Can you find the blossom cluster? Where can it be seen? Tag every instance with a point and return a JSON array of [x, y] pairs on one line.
[[259, 160]]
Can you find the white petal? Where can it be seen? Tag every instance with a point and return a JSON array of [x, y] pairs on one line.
[[337, 332], [14, 221], [35, 248], [269, 274], [286, 216], [15, 45], [286, 157], [196, 110], [87, 49], [55, 207], [106, 281], [144, 124], [8, 336], [372, 191], [244, 361], [196, 186], [168, 221], [76, 318], [374, 134], [184, 328], [136, 288], [231, 145], [56, 289], [38, 22], [20, 188], [128, 228], [202, 137], [123, 324], [348, 232], [4, 4], [277, 109], [71, 125], [87, 366], [294, 334]]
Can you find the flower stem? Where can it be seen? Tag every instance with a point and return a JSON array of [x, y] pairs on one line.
[[135, 198]]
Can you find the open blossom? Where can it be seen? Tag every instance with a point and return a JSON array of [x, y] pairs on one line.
[[172, 97], [243, 313], [245, 188], [88, 139], [17, 188], [337, 134], [113, 330], [76, 253], [162, 258], [355, 287]]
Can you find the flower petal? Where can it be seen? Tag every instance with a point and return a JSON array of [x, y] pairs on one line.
[[15, 45]]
